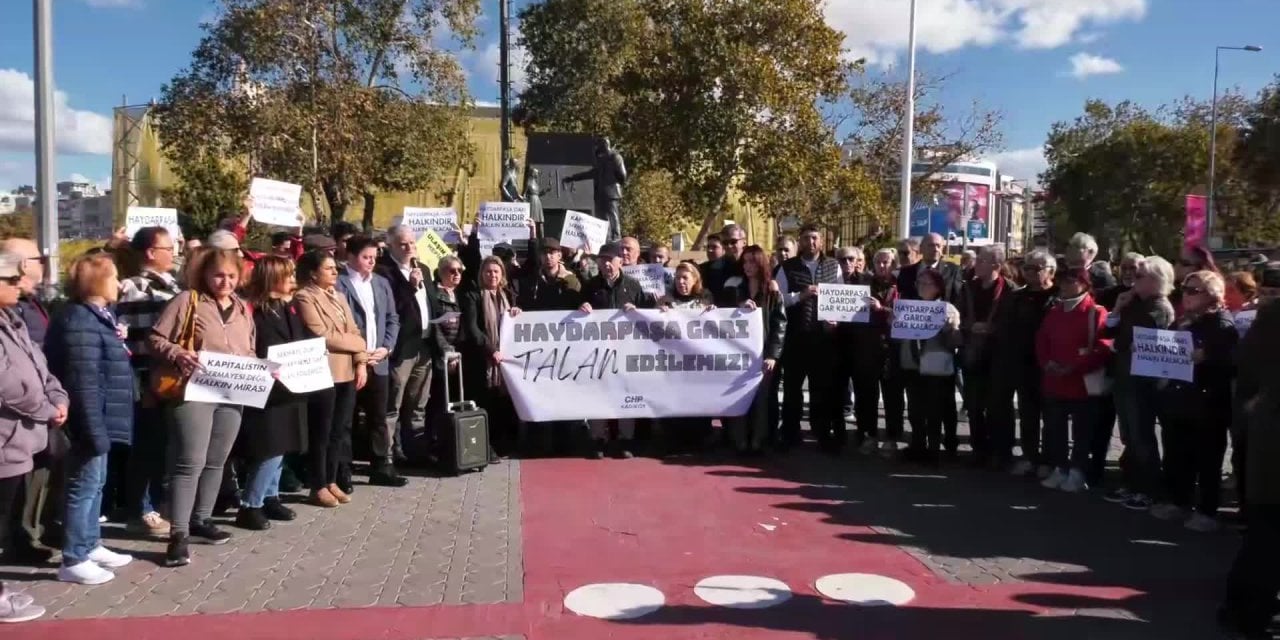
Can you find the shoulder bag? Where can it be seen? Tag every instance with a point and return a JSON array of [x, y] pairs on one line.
[[167, 381], [1096, 383]]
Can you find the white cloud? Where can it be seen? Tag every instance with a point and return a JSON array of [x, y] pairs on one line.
[[114, 4], [1023, 164], [483, 65], [1084, 65], [77, 131], [877, 29]]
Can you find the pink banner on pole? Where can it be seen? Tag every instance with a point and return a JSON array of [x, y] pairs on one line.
[[1193, 233]]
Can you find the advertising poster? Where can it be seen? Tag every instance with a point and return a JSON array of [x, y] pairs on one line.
[[957, 209]]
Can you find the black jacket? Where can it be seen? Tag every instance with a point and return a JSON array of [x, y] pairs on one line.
[[1153, 313], [601, 294], [413, 336], [952, 278], [1215, 334], [1013, 338], [716, 274], [864, 347], [536, 292], [774, 317], [278, 428]]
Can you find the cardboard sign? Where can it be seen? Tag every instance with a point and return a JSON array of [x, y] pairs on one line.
[[228, 379], [581, 231], [501, 222], [844, 302], [431, 248], [139, 217], [441, 220], [918, 319], [276, 202], [1160, 353], [303, 365], [652, 277]]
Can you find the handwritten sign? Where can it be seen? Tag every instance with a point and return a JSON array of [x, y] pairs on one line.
[[228, 379], [304, 365], [139, 217], [917, 319], [844, 303], [442, 220], [652, 277], [581, 231], [1160, 353], [275, 202], [431, 248], [1244, 320]]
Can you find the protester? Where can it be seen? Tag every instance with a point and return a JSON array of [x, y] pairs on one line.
[[809, 352], [1146, 305], [783, 248], [720, 277], [751, 431], [1242, 292], [1072, 351], [908, 252], [1082, 253], [1193, 258], [483, 312], [1195, 416], [203, 433], [866, 360], [549, 287], [714, 248], [325, 313], [932, 250], [980, 299], [685, 435], [33, 400], [660, 254], [930, 370]]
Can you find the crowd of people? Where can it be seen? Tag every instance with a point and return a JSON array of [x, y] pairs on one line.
[[93, 424]]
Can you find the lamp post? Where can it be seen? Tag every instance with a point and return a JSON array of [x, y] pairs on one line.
[[908, 130], [1213, 138], [46, 189]]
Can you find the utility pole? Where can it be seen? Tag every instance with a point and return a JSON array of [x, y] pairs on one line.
[[46, 188], [504, 77], [908, 133]]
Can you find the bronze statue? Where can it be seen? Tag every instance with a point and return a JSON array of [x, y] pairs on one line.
[[609, 175], [533, 195], [510, 186]]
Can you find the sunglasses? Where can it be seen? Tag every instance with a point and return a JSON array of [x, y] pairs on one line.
[[12, 280], [453, 271], [1035, 268]]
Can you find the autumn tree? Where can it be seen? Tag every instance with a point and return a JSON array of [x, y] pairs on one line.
[[345, 97], [719, 94], [207, 190], [654, 207]]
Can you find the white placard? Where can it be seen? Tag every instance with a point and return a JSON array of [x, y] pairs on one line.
[[1160, 353], [581, 231], [639, 364], [276, 202], [652, 277], [500, 222], [844, 302], [304, 365], [442, 220], [1244, 320], [918, 319], [228, 379], [138, 217]]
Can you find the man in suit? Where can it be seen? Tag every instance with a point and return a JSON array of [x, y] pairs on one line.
[[609, 173], [420, 349], [373, 306], [932, 248]]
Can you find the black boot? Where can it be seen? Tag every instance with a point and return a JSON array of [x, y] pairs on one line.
[[344, 478], [177, 555], [384, 474], [275, 510], [252, 519]]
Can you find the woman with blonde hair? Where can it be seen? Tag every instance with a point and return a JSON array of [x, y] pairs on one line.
[[683, 435], [202, 432], [279, 427], [483, 310]]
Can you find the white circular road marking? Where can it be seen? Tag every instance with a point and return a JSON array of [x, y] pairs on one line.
[[866, 589], [742, 592], [614, 600]]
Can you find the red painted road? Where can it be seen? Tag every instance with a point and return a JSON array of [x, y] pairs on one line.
[[663, 525]]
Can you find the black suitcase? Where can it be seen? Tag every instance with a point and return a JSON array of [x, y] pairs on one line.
[[466, 433]]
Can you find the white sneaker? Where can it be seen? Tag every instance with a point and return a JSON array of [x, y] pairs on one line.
[[1021, 468], [1169, 512], [868, 447], [87, 572], [1044, 471], [18, 607], [1075, 482], [1055, 479], [109, 559], [1202, 523]]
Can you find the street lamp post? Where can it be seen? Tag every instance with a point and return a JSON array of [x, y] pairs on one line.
[[46, 189], [908, 130], [1211, 212]]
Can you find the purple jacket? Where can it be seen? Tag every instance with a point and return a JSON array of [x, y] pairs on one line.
[[29, 397]]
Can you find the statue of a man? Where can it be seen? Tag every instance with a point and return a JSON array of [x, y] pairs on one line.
[[609, 174], [510, 186]]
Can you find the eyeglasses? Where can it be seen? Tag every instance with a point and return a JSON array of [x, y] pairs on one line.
[[12, 280], [1035, 268], [453, 271], [848, 259], [1191, 291], [733, 241]]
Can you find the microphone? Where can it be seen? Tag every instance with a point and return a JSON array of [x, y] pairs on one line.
[[413, 264]]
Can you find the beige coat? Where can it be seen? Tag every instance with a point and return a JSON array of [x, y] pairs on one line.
[[326, 314], [235, 337]]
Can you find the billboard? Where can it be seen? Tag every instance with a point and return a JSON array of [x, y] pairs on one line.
[[959, 211]]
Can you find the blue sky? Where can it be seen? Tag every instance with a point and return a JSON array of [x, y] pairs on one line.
[[1036, 61]]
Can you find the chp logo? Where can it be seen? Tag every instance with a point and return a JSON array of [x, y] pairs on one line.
[[634, 402]]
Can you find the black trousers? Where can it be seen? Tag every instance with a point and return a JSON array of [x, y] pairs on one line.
[[328, 419], [372, 400], [1254, 579], [1195, 440], [774, 385], [929, 397], [1103, 430], [951, 418], [977, 401], [810, 356], [1025, 383], [9, 507]]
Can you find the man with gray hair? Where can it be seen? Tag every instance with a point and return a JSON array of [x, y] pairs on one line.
[[980, 299], [721, 277], [1082, 253]]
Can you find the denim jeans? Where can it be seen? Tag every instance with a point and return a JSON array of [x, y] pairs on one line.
[[263, 482], [148, 461], [1082, 416], [82, 531], [1136, 408]]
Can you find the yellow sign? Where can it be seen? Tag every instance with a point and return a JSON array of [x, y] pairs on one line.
[[431, 248]]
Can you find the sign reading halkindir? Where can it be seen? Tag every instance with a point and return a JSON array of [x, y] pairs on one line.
[[639, 364]]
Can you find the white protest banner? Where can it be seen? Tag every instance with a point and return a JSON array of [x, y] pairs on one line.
[[442, 220], [275, 202], [581, 230], [639, 364], [917, 319], [139, 217], [844, 302], [501, 222], [304, 365], [1244, 320], [228, 379], [1160, 353], [652, 277]]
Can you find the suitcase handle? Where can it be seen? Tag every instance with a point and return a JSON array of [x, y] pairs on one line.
[[461, 404]]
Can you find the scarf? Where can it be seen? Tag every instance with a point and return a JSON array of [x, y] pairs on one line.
[[1070, 304], [495, 307]]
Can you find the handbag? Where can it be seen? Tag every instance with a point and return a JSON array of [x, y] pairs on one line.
[[1096, 383], [939, 364], [167, 381]]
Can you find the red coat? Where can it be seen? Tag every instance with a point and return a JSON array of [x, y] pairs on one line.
[[1064, 338]]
